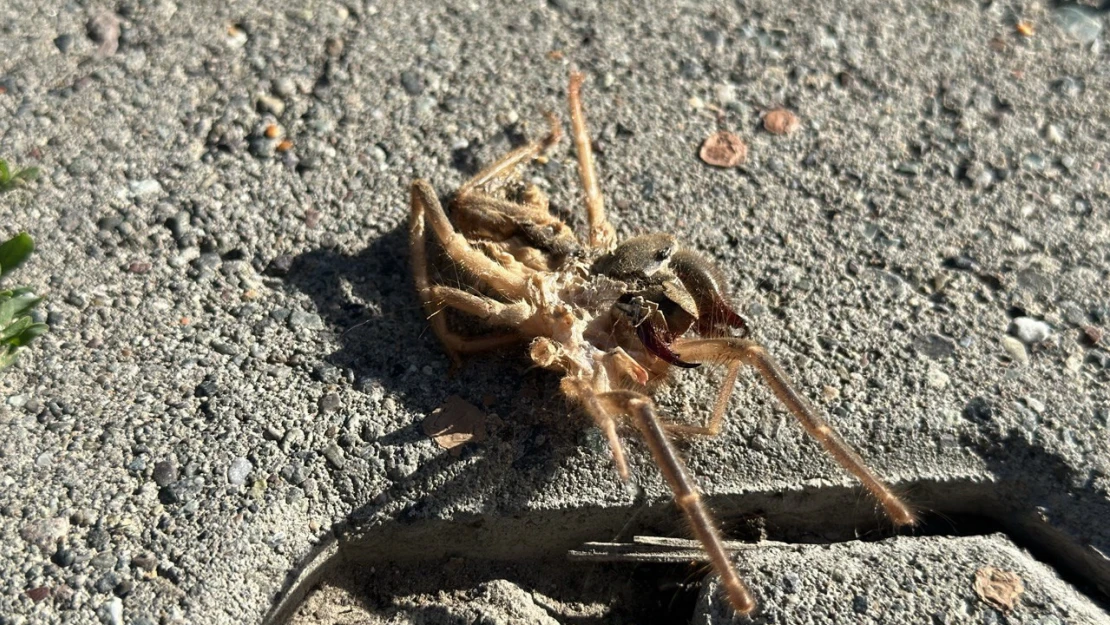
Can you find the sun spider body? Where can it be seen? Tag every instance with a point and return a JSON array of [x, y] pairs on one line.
[[612, 319]]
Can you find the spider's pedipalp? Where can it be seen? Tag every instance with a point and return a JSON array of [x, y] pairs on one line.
[[732, 350]]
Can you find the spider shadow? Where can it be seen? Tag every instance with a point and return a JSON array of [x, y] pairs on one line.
[[369, 302]]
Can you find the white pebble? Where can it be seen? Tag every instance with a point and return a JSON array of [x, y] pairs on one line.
[[238, 471], [937, 378], [1030, 330]]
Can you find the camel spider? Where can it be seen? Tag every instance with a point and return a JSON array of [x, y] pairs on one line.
[[611, 318]]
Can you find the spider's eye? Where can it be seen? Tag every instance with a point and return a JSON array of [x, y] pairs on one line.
[[663, 254]]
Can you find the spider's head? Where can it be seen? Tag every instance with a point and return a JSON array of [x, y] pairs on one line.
[[670, 289], [638, 258], [657, 305]]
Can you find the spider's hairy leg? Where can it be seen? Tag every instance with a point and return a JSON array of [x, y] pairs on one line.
[[487, 217], [505, 165], [642, 411], [425, 205], [732, 350], [424, 200], [580, 391], [510, 315], [602, 234], [720, 407]]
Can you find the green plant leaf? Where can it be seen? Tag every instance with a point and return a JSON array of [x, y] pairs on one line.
[[15, 250], [28, 174], [7, 357], [32, 332], [5, 175], [14, 329], [16, 306]]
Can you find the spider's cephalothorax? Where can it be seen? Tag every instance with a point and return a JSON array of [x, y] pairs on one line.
[[612, 319], [673, 289]]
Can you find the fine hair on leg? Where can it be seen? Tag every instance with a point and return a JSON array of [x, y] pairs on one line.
[[602, 234], [730, 350], [642, 411]]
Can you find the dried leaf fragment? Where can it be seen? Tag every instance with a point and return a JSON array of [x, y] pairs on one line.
[[1001, 589], [723, 149], [456, 423], [780, 122], [1025, 29]]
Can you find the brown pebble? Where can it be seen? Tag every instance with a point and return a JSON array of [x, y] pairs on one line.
[[285, 145], [1025, 29], [723, 149], [273, 131], [780, 122]]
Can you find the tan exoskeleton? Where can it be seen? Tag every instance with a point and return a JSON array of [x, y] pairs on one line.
[[611, 318]]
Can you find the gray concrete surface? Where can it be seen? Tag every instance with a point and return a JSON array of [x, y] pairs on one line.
[[228, 404], [901, 580]]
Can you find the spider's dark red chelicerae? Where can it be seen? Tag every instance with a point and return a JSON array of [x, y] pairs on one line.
[[610, 317]]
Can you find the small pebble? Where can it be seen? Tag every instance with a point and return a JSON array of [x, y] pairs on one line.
[[111, 613], [144, 561], [165, 472], [328, 402], [308, 321], [979, 409], [335, 456], [937, 379], [141, 188], [64, 557], [270, 104], [1081, 23], [412, 83], [780, 122], [38, 594], [238, 471], [103, 29], [63, 43], [1030, 330], [333, 46], [1016, 350]]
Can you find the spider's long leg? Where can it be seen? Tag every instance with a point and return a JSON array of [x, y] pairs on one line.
[[425, 205], [602, 234], [720, 407], [482, 216], [487, 309], [749, 352], [504, 166], [686, 495], [424, 201], [438, 297], [607, 422]]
